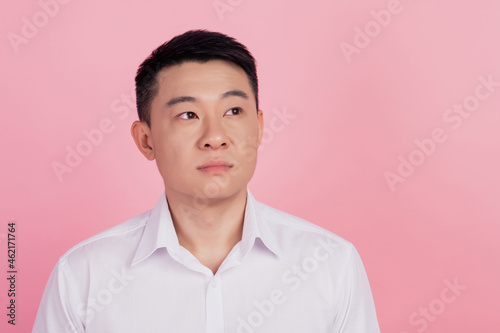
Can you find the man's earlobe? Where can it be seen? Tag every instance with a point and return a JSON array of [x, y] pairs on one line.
[[142, 137], [260, 118]]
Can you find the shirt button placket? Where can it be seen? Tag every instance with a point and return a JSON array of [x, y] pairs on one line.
[[214, 308]]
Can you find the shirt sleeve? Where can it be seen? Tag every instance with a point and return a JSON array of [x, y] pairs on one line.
[[58, 308], [356, 312]]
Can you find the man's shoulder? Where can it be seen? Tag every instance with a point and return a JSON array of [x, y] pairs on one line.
[[111, 243], [300, 231]]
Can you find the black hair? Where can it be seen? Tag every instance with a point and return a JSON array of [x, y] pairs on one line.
[[194, 45]]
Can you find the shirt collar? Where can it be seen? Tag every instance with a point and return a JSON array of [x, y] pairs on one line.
[[159, 231]]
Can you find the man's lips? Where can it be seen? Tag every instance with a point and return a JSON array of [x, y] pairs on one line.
[[215, 166]]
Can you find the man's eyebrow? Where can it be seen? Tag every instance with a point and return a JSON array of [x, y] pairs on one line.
[[183, 99], [235, 92]]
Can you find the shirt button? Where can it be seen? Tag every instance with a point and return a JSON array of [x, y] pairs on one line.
[[213, 284]]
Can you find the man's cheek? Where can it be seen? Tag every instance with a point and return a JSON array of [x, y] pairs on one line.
[[249, 151]]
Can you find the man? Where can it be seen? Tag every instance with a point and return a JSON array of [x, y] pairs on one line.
[[208, 257]]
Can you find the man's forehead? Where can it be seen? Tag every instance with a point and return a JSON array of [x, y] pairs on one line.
[[192, 74], [197, 65]]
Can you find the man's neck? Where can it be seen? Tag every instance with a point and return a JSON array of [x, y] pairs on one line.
[[210, 230]]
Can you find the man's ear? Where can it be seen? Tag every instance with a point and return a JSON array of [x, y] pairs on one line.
[[260, 118], [142, 136]]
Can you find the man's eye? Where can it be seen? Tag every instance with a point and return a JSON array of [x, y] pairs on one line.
[[234, 111], [187, 115]]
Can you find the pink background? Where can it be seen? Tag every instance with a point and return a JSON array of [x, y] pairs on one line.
[[354, 116]]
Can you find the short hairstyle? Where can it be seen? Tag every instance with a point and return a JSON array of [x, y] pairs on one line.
[[194, 45]]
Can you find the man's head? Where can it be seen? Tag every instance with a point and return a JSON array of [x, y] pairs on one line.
[[194, 45], [197, 103]]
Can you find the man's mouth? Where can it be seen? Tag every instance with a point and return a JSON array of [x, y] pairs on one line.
[[215, 166]]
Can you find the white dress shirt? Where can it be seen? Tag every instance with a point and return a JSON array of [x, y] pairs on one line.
[[285, 275]]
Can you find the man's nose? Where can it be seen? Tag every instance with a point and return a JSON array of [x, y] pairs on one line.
[[214, 134]]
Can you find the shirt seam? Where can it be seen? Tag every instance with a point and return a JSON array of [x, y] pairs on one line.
[[96, 238], [63, 266], [349, 276], [312, 230]]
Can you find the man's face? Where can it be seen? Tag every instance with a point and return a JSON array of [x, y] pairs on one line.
[[204, 112]]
